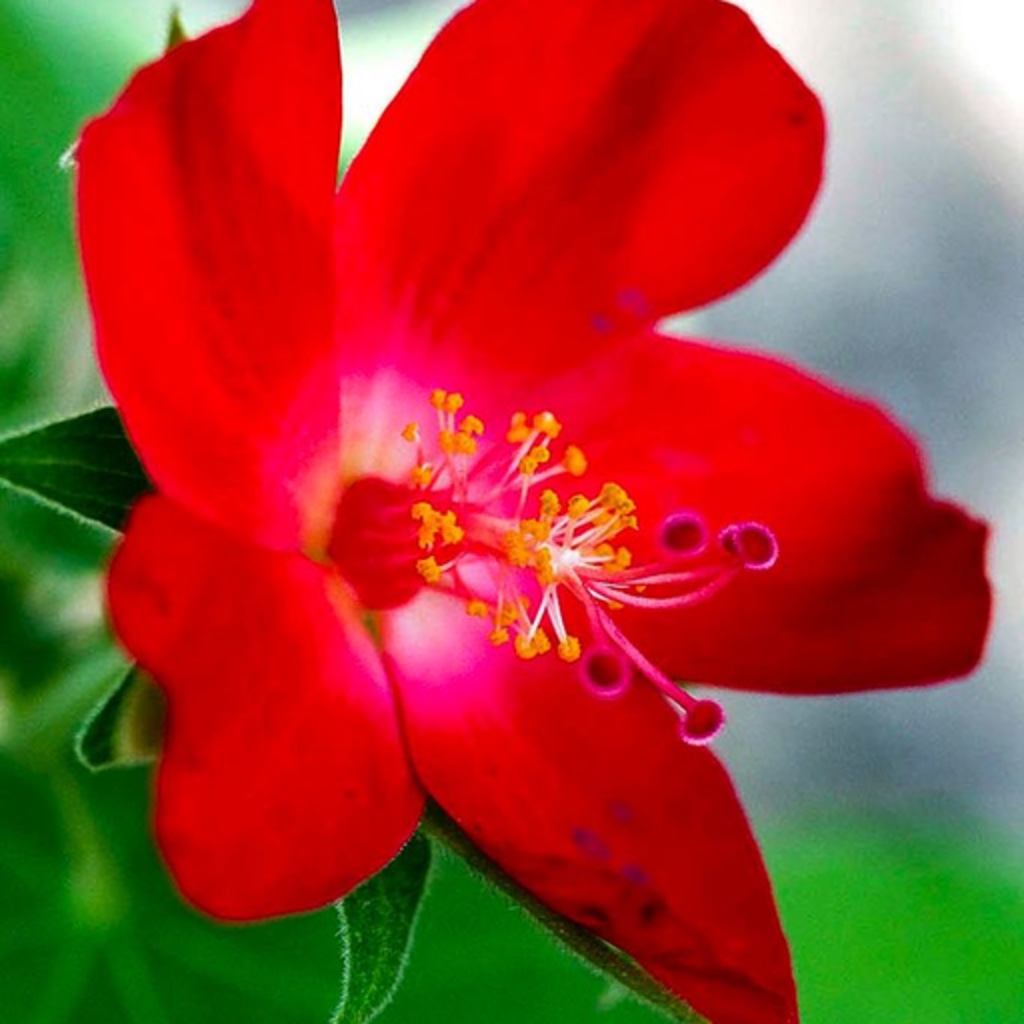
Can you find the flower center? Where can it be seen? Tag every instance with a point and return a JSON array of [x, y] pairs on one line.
[[547, 572], [374, 543]]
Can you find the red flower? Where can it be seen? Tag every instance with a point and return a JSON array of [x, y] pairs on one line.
[[548, 185]]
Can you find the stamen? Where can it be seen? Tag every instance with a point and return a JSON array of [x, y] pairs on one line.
[[569, 649], [488, 514], [471, 425], [422, 476], [579, 506], [429, 569], [518, 431], [550, 506], [575, 461], [546, 423]]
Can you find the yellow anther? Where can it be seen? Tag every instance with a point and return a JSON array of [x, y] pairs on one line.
[[411, 432], [610, 494], [516, 551], [536, 529], [451, 532], [453, 402], [629, 522], [579, 505], [429, 569], [569, 649], [518, 431], [506, 616], [471, 425], [464, 444], [499, 636], [615, 497], [421, 476], [477, 608], [550, 506], [541, 643], [528, 465], [543, 567], [430, 523], [524, 647], [616, 558], [575, 461], [438, 399], [546, 423], [446, 441], [540, 454]]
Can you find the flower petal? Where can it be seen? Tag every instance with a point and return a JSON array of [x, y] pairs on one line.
[[205, 200], [877, 583], [283, 782], [597, 808], [567, 175]]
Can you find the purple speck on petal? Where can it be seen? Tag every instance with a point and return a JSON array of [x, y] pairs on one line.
[[634, 302], [590, 843], [636, 874], [621, 811], [602, 323]]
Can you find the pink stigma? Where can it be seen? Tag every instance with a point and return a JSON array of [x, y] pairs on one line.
[[606, 672], [702, 722], [754, 544], [683, 533]]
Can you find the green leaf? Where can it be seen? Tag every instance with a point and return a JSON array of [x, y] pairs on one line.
[[615, 966], [126, 727], [377, 922], [93, 932], [84, 465]]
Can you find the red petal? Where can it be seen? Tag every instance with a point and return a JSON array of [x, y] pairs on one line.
[[597, 807], [573, 172], [284, 782], [205, 204], [877, 584]]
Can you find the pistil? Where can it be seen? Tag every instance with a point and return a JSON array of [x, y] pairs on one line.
[[470, 521]]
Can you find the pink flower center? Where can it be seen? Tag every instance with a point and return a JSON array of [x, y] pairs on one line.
[[482, 526]]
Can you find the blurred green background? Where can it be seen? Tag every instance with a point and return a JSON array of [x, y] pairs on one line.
[[893, 825]]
